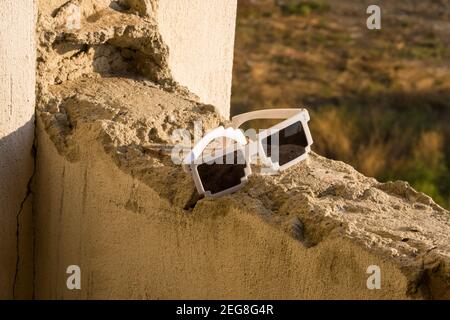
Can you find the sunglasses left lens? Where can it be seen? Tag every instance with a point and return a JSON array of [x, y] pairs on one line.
[[223, 174], [287, 144]]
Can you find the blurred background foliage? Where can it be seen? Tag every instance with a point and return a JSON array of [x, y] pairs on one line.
[[379, 99]]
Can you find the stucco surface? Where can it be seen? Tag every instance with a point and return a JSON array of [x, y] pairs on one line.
[[200, 35], [17, 85], [109, 199], [131, 243], [116, 205]]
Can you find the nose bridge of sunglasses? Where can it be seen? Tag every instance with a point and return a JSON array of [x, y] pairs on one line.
[[220, 132]]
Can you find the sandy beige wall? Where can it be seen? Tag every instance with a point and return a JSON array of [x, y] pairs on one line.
[[200, 35], [129, 243], [102, 202], [17, 83]]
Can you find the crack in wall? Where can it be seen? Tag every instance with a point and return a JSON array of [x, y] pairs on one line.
[[28, 194]]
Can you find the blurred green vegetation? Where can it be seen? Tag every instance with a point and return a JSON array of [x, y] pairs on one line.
[[379, 100], [299, 7]]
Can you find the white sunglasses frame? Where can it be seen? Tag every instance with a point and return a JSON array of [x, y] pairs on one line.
[[190, 165], [291, 115]]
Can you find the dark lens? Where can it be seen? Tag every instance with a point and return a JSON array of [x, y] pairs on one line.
[[291, 144], [221, 176]]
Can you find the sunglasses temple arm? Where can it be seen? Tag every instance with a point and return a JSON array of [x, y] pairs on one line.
[[238, 120]]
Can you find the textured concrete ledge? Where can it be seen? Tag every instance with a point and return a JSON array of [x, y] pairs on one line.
[[130, 218], [198, 33]]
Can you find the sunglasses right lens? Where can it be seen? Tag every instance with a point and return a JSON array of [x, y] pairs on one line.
[[291, 144], [223, 174]]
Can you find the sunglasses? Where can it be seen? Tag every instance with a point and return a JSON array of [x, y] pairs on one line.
[[278, 148]]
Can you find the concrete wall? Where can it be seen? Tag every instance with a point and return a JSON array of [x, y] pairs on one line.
[[200, 36], [110, 202], [132, 244], [17, 83]]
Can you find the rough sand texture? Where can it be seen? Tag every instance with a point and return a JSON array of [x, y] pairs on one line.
[[199, 35], [109, 202]]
